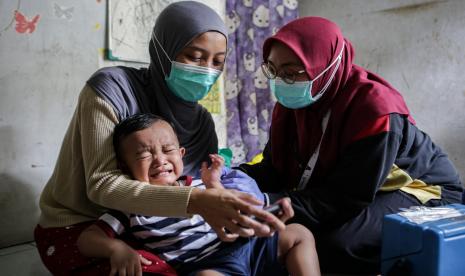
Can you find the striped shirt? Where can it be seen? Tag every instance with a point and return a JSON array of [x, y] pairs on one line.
[[173, 239]]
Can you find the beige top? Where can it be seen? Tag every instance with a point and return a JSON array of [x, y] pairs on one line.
[[86, 181]]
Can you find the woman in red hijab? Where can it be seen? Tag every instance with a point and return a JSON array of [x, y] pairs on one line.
[[343, 146]]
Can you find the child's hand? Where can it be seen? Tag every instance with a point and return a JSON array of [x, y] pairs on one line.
[[126, 261], [211, 176]]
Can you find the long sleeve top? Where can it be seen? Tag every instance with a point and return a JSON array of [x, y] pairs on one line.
[[390, 154], [86, 181]]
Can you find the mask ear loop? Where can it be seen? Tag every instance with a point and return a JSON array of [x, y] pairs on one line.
[[154, 38], [338, 60]]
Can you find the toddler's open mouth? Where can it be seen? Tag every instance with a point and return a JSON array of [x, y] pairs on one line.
[[161, 173]]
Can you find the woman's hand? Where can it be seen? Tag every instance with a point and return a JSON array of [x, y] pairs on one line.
[[287, 210], [126, 261], [228, 211]]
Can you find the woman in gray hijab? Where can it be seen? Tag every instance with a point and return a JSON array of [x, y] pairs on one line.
[[163, 88], [187, 51]]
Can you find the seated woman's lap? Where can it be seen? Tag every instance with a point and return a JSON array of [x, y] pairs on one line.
[[356, 245], [58, 251]]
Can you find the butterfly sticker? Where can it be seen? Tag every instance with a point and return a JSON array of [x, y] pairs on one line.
[[23, 25], [63, 12]]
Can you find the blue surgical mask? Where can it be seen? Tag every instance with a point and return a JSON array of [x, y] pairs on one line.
[[299, 94], [189, 82]]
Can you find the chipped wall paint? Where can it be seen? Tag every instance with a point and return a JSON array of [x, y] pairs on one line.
[[63, 12]]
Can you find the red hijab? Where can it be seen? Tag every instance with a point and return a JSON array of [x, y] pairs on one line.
[[356, 98]]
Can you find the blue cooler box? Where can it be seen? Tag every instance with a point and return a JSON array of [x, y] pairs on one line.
[[429, 248]]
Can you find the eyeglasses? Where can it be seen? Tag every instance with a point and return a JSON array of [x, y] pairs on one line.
[[271, 73]]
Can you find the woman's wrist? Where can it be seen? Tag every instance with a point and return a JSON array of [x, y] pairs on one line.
[[192, 207]]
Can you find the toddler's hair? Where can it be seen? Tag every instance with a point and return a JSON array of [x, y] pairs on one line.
[[132, 124]]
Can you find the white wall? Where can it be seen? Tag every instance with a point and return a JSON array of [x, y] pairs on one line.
[[419, 47], [41, 75]]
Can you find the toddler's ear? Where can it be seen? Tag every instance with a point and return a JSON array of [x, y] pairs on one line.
[[123, 167], [182, 151]]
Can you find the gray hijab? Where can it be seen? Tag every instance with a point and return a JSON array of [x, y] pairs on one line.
[[131, 91]]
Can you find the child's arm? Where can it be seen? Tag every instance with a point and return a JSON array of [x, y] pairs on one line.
[[94, 242], [211, 176]]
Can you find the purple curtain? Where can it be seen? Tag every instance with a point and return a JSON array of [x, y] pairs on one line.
[[249, 102]]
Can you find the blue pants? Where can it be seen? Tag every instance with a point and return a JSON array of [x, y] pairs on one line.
[[244, 257]]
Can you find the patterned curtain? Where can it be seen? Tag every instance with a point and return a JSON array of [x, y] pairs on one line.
[[249, 102]]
